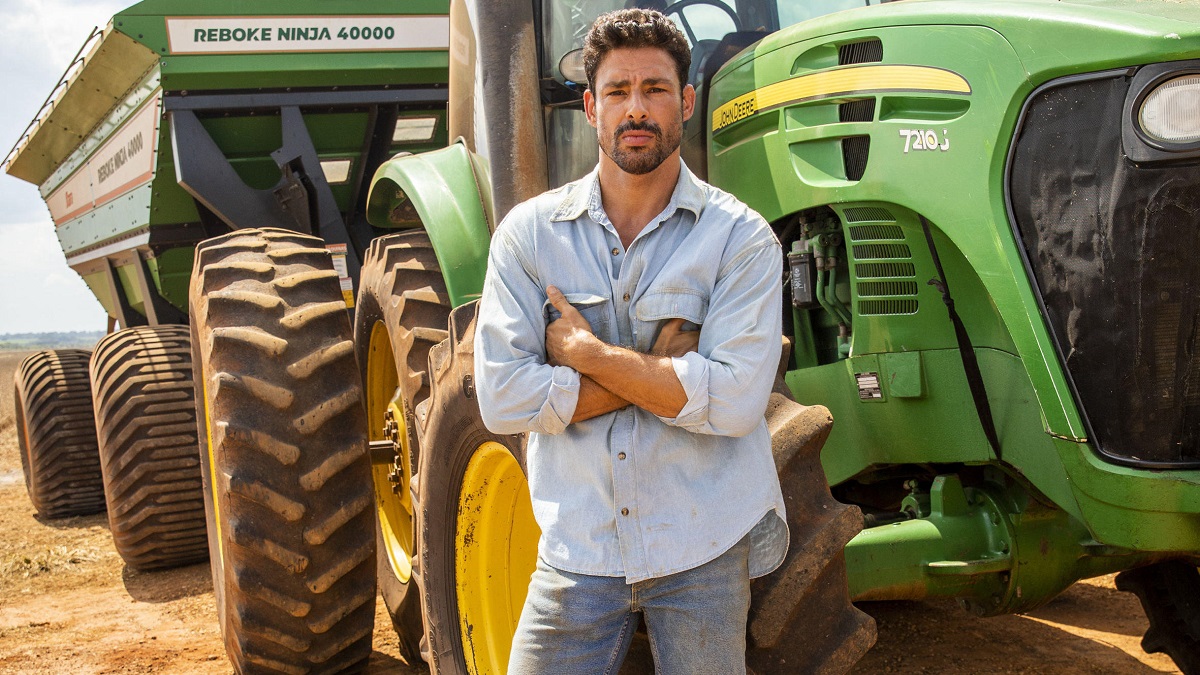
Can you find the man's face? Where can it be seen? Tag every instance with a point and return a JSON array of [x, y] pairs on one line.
[[638, 107]]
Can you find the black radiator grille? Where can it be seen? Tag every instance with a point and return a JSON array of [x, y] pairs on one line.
[[1112, 247], [867, 51], [862, 110], [855, 150]]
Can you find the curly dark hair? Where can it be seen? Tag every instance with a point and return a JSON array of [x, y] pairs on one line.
[[631, 28]]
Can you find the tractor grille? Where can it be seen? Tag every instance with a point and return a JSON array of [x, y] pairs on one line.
[[855, 150], [866, 51], [1112, 248], [888, 287]]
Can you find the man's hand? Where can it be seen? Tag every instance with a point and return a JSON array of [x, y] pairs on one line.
[[674, 341], [567, 335]]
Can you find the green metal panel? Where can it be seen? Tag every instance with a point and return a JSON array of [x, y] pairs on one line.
[[171, 273], [97, 282], [444, 189]]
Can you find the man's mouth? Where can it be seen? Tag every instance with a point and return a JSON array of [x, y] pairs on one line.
[[637, 138], [637, 134]]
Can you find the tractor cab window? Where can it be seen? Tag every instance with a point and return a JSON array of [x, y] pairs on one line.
[[715, 29]]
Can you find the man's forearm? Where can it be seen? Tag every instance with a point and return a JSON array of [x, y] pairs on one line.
[[648, 382], [595, 401]]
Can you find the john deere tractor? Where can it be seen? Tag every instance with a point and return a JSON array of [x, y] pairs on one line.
[[988, 211]]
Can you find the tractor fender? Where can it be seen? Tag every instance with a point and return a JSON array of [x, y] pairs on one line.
[[446, 192]]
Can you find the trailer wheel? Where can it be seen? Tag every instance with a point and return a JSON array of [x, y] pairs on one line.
[[146, 420], [1170, 595], [287, 478], [401, 313], [478, 539], [56, 433]]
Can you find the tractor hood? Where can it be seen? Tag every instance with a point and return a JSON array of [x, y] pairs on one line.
[[1050, 38]]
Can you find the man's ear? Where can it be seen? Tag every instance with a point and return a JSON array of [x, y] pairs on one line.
[[589, 106], [689, 102]]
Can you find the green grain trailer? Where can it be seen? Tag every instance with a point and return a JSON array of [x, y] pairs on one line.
[[177, 123]]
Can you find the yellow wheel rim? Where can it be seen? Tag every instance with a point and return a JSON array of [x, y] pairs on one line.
[[495, 545], [393, 502], [212, 468]]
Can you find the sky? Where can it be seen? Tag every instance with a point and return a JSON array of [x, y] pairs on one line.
[[38, 292]]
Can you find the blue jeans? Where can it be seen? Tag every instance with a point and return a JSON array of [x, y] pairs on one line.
[[582, 624]]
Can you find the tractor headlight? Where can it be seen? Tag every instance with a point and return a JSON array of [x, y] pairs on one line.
[[1171, 112]]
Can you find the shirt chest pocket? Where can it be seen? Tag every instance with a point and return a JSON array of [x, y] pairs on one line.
[[658, 306], [594, 309]]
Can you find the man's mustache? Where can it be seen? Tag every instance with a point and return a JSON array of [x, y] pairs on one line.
[[630, 125]]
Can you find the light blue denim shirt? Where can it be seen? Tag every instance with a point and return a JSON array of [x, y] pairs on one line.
[[693, 485]]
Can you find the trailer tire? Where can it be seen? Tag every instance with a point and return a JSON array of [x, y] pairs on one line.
[[56, 433], [400, 315], [145, 408], [1170, 595], [286, 473]]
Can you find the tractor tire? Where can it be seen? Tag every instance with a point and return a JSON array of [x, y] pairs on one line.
[[1170, 595], [811, 582], [284, 459], [478, 541], [146, 420], [56, 433], [401, 313]]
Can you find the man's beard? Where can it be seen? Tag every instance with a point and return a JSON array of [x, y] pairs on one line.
[[643, 160]]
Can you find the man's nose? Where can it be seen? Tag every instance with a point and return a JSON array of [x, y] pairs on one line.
[[637, 107]]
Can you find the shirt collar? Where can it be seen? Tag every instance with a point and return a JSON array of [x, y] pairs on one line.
[[584, 195]]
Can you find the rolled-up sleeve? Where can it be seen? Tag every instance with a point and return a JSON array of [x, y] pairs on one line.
[[729, 378], [518, 392]]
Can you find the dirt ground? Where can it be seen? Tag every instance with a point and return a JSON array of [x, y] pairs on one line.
[[69, 605]]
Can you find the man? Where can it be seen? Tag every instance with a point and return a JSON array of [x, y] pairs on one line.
[[649, 461]]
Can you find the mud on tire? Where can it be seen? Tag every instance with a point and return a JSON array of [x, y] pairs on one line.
[[401, 313], [146, 425], [286, 474], [56, 433]]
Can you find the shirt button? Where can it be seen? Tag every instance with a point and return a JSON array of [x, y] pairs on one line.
[[625, 297], [624, 512], [616, 251], [620, 455]]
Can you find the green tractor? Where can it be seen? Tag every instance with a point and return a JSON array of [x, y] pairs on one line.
[[986, 209]]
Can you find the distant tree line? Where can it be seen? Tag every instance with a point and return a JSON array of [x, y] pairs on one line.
[[77, 339]]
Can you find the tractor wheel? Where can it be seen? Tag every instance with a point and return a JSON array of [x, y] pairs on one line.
[[1170, 596], [56, 433], [286, 471], [146, 421], [811, 582], [478, 539], [401, 313]]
